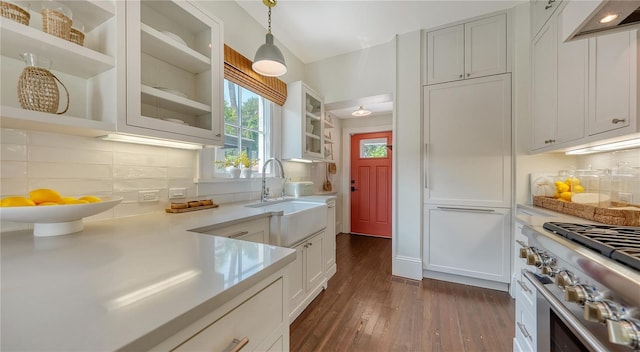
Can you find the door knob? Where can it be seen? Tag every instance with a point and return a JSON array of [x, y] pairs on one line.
[[353, 189]]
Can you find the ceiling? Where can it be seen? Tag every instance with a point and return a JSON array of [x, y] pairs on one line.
[[315, 30]]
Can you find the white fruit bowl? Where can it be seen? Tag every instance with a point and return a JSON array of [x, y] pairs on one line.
[[54, 220]]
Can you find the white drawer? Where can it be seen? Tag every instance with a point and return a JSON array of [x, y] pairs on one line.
[[525, 294], [241, 322], [526, 330], [253, 231]]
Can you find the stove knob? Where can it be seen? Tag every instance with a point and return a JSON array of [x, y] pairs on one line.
[[525, 251], [563, 279], [624, 332], [534, 259], [597, 312], [577, 294], [546, 270]]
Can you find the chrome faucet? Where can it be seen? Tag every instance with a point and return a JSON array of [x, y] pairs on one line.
[[265, 192]]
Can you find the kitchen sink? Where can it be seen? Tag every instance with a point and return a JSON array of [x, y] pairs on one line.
[[296, 220]]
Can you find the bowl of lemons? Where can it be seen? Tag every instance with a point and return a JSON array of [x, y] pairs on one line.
[[51, 213]]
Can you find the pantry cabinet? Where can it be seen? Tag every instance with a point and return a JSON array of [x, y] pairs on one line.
[[541, 11], [303, 124], [472, 242], [469, 50], [559, 87], [90, 73], [174, 72], [306, 274]]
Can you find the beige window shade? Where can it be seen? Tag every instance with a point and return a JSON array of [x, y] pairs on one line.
[[237, 69]]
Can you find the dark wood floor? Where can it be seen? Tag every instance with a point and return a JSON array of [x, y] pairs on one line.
[[366, 309]]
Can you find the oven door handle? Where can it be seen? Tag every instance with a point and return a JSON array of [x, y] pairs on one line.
[[563, 313]]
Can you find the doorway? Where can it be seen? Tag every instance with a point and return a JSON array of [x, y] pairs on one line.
[[370, 183]]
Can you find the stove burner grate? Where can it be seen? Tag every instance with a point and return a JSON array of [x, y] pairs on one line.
[[621, 243]]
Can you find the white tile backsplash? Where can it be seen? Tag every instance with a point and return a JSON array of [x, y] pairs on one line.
[[610, 160], [14, 152], [13, 169], [49, 170], [10, 136], [70, 154]]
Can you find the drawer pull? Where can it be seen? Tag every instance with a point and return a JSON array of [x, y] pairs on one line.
[[524, 331], [237, 345], [522, 244], [239, 234], [524, 287], [614, 121], [467, 209]]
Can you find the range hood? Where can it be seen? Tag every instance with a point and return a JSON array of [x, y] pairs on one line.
[[583, 19]]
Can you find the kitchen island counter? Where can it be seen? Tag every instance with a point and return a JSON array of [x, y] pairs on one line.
[[127, 282]]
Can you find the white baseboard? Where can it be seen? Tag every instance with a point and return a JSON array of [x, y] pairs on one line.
[[494, 285], [407, 267]]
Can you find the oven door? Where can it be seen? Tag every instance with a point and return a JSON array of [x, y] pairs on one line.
[[558, 327]]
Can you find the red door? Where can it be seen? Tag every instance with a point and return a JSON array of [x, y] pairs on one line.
[[371, 184]]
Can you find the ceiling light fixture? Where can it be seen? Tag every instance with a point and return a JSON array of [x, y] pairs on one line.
[[608, 18], [149, 141], [269, 60], [361, 112]]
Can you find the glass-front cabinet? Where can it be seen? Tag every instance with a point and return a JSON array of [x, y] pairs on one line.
[[303, 124], [174, 72]]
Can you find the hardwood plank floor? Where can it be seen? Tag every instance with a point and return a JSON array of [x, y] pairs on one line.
[[365, 308]]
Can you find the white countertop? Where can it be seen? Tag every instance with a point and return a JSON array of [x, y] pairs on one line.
[[74, 292]]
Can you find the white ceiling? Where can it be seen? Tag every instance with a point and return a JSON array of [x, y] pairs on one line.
[[315, 30]]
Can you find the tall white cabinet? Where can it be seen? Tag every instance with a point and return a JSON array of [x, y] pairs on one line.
[[467, 181]]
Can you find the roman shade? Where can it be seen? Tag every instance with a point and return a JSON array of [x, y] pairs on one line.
[[237, 69]]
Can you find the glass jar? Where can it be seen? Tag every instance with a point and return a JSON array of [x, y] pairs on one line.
[[624, 186], [586, 187]]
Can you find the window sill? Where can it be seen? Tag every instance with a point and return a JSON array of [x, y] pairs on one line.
[[223, 179]]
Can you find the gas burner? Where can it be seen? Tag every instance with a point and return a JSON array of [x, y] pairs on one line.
[[621, 243]]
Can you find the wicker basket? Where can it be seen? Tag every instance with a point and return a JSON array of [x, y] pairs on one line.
[[37, 90], [77, 37], [15, 13], [56, 23]]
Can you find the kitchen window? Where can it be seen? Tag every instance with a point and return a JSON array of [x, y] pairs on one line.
[[247, 125]]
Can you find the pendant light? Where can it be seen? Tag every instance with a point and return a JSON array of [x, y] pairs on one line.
[[269, 60], [361, 112]]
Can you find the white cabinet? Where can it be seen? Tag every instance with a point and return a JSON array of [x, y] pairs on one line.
[[614, 83], [541, 11], [257, 317], [306, 274], [525, 295], [559, 87], [470, 242], [330, 240], [174, 72], [303, 123], [470, 50], [467, 136], [253, 231], [91, 72]]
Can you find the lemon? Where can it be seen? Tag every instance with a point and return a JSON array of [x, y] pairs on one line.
[[47, 203], [16, 202], [562, 187], [45, 195], [71, 200], [566, 196], [577, 189], [91, 199], [556, 195]]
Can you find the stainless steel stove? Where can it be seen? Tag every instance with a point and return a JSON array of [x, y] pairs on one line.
[[588, 286]]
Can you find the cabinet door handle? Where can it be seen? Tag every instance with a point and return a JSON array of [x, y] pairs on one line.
[[618, 120], [461, 76], [524, 287], [468, 75], [467, 209], [238, 234], [310, 244], [522, 244], [237, 344], [218, 135], [524, 331]]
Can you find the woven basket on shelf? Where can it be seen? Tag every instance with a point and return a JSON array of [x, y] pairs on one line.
[[37, 90], [77, 37], [15, 13], [56, 23]]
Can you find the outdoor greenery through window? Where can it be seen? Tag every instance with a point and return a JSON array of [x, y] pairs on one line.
[[373, 148], [247, 117]]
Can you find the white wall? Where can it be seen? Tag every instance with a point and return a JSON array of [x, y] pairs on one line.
[[407, 258], [364, 73]]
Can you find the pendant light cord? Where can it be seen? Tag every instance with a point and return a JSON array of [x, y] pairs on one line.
[[269, 29]]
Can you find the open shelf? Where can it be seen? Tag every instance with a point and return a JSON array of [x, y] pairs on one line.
[[65, 56], [13, 117], [166, 100], [161, 46]]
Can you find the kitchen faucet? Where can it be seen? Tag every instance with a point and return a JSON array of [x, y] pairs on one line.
[[265, 192]]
